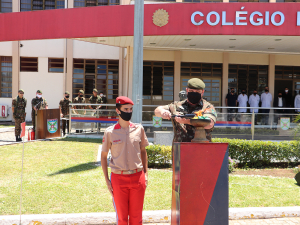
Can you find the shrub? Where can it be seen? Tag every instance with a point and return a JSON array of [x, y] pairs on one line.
[[252, 154], [231, 164]]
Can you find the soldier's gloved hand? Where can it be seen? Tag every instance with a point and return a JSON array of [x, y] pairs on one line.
[[166, 114]]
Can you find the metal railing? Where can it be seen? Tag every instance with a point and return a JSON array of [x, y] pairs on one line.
[[276, 125]]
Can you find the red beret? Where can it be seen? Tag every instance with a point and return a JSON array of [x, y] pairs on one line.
[[123, 100]]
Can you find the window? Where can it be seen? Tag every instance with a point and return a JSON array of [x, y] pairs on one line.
[[55, 65], [248, 77], [158, 81], [101, 74], [28, 64], [33, 5], [6, 76], [248, 0], [202, 0], [287, 0], [5, 6], [86, 3], [201, 69]]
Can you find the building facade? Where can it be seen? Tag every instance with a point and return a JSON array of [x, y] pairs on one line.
[[248, 62]]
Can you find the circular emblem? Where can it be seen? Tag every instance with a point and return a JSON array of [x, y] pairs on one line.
[[160, 17]]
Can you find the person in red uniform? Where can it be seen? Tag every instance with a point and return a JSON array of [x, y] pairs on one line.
[[129, 164]]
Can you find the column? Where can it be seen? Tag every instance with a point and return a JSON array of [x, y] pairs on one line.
[[177, 69], [15, 56], [121, 66], [225, 79], [271, 75], [69, 74]]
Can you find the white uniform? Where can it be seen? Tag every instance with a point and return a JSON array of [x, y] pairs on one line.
[[266, 99], [242, 100], [254, 102], [297, 102]]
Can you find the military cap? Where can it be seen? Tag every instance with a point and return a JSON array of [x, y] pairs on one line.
[[21, 90], [195, 83], [95, 90], [67, 93], [81, 91], [39, 91], [123, 100]]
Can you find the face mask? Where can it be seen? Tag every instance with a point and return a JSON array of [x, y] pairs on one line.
[[39, 96], [254, 93], [101, 95], [286, 91], [279, 96], [194, 97], [81, 95], [232, 91], [125, 115], [243, 92], [266, 90], [67, 96]]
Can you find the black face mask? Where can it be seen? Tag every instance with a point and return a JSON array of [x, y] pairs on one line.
[[266, 90], [81, 95], [67, 96], [125, 115], [232, 91], [279, 96], [194, 97], [254, 93], [243, 92]]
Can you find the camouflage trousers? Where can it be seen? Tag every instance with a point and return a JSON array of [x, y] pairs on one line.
[[33, 121], [18, 122]]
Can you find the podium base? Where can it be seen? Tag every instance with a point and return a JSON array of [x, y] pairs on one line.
[[200, 184]]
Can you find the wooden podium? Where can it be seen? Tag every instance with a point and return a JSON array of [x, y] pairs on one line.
[[200, 184], [47, 124]]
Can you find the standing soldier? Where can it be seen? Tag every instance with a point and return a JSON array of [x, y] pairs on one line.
[[79, 99], [129, 164], [64, 112], [18, 108], [94, 99], [183, 130], [37, 103]]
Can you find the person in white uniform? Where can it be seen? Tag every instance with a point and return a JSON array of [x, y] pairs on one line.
[[297, 102], [266, 99], [254, 101], [242, 100]]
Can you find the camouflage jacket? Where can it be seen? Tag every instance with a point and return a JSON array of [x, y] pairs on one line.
[[40, 103], [103, 100], [186, 132], [79, 100], [94, 100], [64, 105], [19, 105]]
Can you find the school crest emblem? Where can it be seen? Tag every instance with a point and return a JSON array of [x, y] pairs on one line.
[[160, 17], [52, 126], [157, 121], [285, 123]]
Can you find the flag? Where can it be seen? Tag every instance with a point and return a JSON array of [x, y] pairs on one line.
[[23, 129]]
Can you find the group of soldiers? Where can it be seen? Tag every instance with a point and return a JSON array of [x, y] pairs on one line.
[[39, 102]]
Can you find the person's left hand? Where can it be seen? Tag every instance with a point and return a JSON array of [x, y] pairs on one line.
[[182, 120]]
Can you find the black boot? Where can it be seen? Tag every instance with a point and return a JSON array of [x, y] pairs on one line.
[[20, 139], [17, 139]]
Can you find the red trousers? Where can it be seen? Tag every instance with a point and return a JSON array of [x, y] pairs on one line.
[[128, 197]]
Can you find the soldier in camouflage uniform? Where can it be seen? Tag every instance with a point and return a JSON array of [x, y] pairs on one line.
[[37, 103], [79, 99], [64, 112], [183, 130], [95, 99], [18, 108]]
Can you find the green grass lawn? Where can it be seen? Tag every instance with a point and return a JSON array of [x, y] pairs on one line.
[[60, 177]]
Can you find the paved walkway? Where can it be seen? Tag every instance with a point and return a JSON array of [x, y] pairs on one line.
[[275, 221], [7, 135]]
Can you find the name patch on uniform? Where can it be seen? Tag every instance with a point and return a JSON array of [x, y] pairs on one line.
[[117, 141], [103, 140]]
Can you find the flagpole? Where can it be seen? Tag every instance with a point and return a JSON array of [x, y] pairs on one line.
[[22, 175]]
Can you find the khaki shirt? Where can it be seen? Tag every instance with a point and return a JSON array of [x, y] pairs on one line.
[[186, 132], [125, 145]]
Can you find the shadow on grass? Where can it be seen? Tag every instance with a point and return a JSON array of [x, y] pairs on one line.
[[76, 169], [90, 140]]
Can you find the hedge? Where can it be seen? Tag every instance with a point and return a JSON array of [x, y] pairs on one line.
[[252, 154]]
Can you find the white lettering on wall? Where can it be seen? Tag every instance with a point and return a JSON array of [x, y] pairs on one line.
[[259, 21], [193, 18], [208, 19], [281, 18], [224, 23], [298, 18], [238, 17]]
